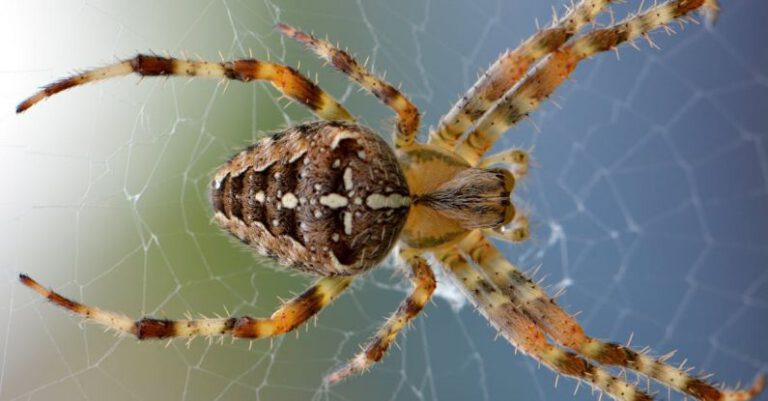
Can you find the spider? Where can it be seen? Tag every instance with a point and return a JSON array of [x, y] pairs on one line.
[[331, 198]]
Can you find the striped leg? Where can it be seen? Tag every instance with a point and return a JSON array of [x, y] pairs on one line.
[[518, 328], [510, 68], [518, 159], [564, 329], [407, 113], [284, 78], [517, 104], [291, 315], [424, 285]]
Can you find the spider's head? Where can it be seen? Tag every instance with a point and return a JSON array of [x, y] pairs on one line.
[[474, 198], [450, 198]]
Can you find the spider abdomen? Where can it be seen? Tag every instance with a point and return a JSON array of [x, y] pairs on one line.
[[325, 197]]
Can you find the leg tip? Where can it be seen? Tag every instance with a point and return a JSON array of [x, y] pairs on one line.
[[340, 374], [284, 28], [34, 285], [30, 101], [758, 386], [333, 378], [294, 33], [26, 280], [356, 366], [711, 11], [22, 107]]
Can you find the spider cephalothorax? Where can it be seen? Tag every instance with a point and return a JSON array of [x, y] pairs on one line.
[[332, 198]]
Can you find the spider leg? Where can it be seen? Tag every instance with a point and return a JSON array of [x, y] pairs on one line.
[[564, 329], [289, 316], [510, 67], [286, 79], [520, 330], [518, 159], [424, 285], [526, 97], [407, 113]]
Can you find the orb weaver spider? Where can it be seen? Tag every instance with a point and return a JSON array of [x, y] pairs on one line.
[[331, 198]]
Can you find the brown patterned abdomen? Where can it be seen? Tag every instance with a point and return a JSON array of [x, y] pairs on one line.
[[325, 197]]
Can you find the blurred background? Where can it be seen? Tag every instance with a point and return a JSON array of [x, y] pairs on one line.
[[648, 201]]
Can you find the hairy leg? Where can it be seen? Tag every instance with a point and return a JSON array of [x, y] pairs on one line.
[[424, 285], [525, 98], [520, 330], [564, 329], [517, 159], [407, 113], [509, 69], [289, 316], [284, 78]]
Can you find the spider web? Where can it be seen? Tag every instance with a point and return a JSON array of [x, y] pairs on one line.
[[648, 203]]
